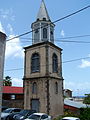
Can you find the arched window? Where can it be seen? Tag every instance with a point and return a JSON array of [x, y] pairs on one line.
[[35, 63], [45, 33], [56, 87], [55, 63], [34, 88]]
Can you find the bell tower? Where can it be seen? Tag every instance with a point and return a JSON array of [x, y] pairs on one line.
[[43, 28], [43, 81]]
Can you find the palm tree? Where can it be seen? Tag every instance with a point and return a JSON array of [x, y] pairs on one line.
[[7, 81]]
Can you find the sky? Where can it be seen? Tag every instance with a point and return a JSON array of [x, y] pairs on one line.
[[16, 17]]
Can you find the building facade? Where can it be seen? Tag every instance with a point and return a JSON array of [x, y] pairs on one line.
[[2, 54], [67, 93], [12, 97], [43, 81]]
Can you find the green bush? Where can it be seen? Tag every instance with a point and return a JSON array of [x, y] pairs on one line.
[[84, 114]]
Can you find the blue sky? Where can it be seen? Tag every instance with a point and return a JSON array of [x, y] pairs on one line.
[[16, 17]]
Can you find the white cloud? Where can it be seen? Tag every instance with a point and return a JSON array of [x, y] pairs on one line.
[[17, 82], [9, 27], [78, 89], [1, 28], [62, 33], [7, 14], [13, 48], [84, 64]]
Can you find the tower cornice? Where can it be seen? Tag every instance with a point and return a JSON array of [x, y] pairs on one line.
[[43, 43]]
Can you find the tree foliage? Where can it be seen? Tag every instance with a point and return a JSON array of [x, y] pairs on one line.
[[7, 81], [87, 99], [84, 114]]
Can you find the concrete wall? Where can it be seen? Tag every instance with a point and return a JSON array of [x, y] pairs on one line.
[[53, 100], [50, 101], [29, 52], [2, 53], [41, 94], [13, 103], [56, 99], [43, 62]]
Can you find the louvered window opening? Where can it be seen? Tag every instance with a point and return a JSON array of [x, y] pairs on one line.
[[35, 64], [55, 63]]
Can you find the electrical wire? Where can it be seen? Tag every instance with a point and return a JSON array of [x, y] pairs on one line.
[[70, 37], [63, 38], [59, 39], [78, 11], [67, 61]]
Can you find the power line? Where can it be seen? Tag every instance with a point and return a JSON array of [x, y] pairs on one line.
[[65, 41], [79, 36], [51, 22], [70, 37], [68, 41], [67, 61], [60, 39], [75, 60], [14, 69], [72, 14]]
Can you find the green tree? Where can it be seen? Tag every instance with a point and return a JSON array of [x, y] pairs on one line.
[[84, 114], [7, 81], [87, 99]]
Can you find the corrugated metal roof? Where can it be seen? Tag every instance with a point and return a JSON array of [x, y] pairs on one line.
[[11, 89], [74, 103]]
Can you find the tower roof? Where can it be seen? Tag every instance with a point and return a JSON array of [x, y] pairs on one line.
[[43, 12]]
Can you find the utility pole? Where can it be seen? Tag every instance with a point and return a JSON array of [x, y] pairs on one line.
[[2, 56]]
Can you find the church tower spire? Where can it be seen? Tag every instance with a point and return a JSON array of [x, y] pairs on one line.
[[43, 28], [43, 14]]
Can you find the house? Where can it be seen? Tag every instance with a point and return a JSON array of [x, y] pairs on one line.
[[73, 106], [13, 96], [67, 93]]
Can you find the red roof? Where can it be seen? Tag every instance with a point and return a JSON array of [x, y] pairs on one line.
[[11, 89]]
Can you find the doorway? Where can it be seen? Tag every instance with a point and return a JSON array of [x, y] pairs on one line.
[[35, 104]]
